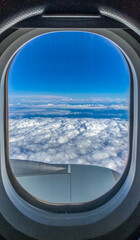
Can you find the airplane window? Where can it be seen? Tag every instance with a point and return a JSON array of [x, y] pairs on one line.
[[68, 116]]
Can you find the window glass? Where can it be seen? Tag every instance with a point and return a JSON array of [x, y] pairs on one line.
[[68, 114]]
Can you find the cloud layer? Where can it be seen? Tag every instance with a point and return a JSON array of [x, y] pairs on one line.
[[102, 142], [56, 106]]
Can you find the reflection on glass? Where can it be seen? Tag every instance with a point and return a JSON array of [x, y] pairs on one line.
[[68, 111]]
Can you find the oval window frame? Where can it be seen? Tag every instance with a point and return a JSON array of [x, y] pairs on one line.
[[11, 191], [66, 207]]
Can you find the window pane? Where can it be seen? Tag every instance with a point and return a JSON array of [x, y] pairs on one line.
[[68, 96]]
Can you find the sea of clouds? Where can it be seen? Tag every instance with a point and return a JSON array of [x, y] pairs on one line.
[[102, 142], [55, 129], [57, 106]]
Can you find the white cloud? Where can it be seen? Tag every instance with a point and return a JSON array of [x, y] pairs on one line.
[[51, 106], [102, 142]]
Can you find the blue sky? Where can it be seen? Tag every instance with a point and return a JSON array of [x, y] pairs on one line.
[[78, 64]]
